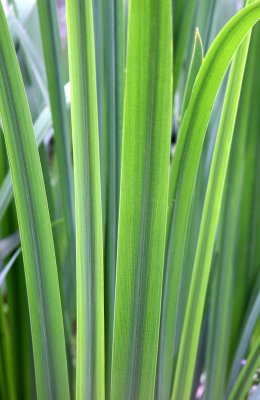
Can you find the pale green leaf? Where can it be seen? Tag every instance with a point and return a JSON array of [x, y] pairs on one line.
[[143, 199]]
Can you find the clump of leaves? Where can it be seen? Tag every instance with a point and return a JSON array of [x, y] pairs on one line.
[[140, 252]]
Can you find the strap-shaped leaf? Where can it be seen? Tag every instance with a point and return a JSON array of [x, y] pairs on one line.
[[247, 256], [143, 199], [34, 225], [209, 223], [187, 155], [195, 64], [41, 127], [114, 76], [183, 24], [52, 55], [165, 363], [90, 372], [196, 120], [222, 343], [7, 387], [33, 56]]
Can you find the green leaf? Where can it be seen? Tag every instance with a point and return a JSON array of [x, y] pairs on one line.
[[7, 388], [33, 57], [183, 34], [20, 335], [34, 225], [52, 56], [247, 257], [165, 369], [196, 61], [221, 345], [185, 166], [114, 62], [143, 199], [42, 126], [89, 245], [242, 22], [205, 20], [99, 13], [245, 377]]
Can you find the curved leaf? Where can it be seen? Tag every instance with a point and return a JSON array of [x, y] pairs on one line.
[[42, 126], [34, 225], [196, 120]]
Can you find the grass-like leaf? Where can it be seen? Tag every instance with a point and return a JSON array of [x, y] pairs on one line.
[[143, 199], [166, 199], [35, 228], [209, 224], [90, 372], [114, 61], [52, 54], [165, 362], [183, 30], [220, 346], [42, 126], [187, 155], [33, 57], [7, 389], [246, 251], [242, 22], [195, 64]]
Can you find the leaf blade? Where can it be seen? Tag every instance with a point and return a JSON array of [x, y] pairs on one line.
[[143, 198], [34, 225], [90, 378], [200, 276], [52, 55]]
